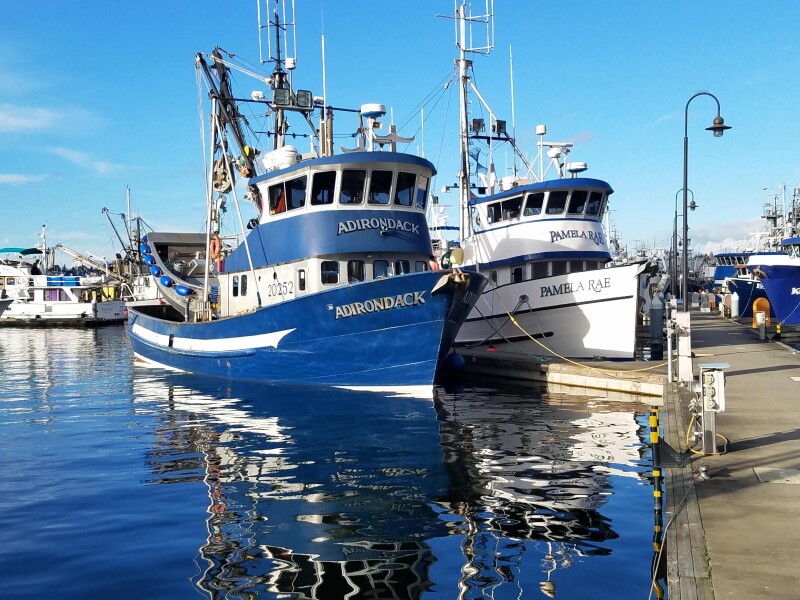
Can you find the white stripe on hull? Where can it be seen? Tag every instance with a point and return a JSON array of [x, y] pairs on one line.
[[247, 342]]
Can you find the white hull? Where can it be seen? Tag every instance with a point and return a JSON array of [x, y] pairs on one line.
[[579, 315], [65, 313]]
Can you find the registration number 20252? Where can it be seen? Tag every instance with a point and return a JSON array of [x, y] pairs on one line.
[[280, 288]]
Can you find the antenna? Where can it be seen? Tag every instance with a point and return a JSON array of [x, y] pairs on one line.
[[288, 29]]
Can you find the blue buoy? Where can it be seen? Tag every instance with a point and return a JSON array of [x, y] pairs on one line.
[[155, 270], [182, 290], [453, 363], [149, 260], [144, 249], [166, 281]]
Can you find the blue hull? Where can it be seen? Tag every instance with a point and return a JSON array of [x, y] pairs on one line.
[[386, 332], [748, 291], [782, 283]]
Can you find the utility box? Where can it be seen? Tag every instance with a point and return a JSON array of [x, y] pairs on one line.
[[712, 382], [712, 395]]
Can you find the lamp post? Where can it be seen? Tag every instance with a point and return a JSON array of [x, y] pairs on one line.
[[718, 127], [674, 262]]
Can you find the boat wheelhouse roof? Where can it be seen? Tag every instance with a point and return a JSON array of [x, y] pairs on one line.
[[549, 185], [378, 157]]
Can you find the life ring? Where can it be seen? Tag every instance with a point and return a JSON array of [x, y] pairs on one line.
[[215, 247]]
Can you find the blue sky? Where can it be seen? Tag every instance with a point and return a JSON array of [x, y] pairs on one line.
[[97, 95]]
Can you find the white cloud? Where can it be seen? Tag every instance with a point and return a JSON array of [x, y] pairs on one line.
[[85, 160], [19, 179], [15, 119]]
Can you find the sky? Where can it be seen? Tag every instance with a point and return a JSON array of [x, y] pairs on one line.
[[98, 96]]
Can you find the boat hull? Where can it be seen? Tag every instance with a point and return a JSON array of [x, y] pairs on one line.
[[579, 315], [385, 332], [782, 284], [22, 313], [748, 290]]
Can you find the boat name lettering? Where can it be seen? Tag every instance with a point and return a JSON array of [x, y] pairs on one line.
[[796, 291], [595, 236], [378, 304], [382, 224], [592, 285]]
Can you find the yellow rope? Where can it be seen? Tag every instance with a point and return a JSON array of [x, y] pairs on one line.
[[554, 353]]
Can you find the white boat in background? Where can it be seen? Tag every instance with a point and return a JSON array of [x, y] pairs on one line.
[[538, 236], [40, 296]]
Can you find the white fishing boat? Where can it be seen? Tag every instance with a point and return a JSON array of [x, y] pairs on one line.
[[331, 283], [43, 296], [538, 235]]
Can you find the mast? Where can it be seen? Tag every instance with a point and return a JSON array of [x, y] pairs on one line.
[[463, 173]]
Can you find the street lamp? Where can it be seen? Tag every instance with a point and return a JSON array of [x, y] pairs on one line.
[[674, 262], [718, 127]]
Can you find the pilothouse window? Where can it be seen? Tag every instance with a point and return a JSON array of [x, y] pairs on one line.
[[556, 202], [379, 186], [404, 195], [593, 206], [322, 188], [578, 202], [352, 186], [533, 204], [422, 191]]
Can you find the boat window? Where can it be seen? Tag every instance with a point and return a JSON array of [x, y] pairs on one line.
[[559, 267], [296, 192], [301, 279], [235, 287], [577, 202], [330, 271], [422, 191], [401, 267], [533, 204], [493, 277], [512, 208], [406, 185], [420, 266], [277, 199], [355, 271], [593, 206], [380, 183], [539, 270], [380, 268], [322, 188], [244, 285], [494, 213], [576, 266], [556, 202], [518, 274], [352, 186]]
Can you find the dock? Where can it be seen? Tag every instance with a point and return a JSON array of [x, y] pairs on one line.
[[734, 530], [731, 518]]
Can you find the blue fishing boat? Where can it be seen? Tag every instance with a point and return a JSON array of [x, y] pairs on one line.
[[780, 276], [331, 282]]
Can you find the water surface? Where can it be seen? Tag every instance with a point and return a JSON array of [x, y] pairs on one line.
[[124, 481]]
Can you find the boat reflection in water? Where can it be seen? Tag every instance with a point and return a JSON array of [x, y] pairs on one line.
[[327, 493]]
